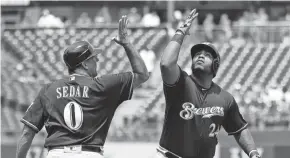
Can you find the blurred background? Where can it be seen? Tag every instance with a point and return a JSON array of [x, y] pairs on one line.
[[253, 39]]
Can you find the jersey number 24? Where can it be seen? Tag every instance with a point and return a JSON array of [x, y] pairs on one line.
[[214, 130], [73, 115]]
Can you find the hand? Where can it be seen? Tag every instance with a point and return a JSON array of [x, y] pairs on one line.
[[187, 24], [122, 38]]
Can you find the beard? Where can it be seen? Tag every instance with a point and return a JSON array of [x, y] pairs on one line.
[[197, 69]]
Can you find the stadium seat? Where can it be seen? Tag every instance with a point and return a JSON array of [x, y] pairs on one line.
[[36, 56], [40, 51]]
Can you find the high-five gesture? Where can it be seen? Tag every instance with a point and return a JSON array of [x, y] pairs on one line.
[[138, 66], [187, 24], [122, 38]]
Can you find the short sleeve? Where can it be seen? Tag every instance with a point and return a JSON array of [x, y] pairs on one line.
[[234, 122], [34, 115], [179, 81], [176, 90], [118, 86]]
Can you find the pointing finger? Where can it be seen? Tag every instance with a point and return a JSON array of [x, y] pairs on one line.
[[126, 23], [194, 16], [192, 12], [120, 25]]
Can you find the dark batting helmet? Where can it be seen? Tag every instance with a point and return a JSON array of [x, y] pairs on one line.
[[211, 49], [78, 52]]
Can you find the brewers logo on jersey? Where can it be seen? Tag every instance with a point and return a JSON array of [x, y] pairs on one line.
[[193, 118], [189, 110]]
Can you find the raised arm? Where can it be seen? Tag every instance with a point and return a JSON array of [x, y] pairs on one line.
[[169, 68], [140, 71], [246, 142], [25, 141]]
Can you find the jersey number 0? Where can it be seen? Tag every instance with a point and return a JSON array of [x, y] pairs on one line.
[[73, 115]]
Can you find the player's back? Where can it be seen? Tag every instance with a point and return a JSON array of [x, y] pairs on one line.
[[79, 110]]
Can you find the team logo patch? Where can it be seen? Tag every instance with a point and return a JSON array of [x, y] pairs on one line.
[[189, 110], [72, 78]]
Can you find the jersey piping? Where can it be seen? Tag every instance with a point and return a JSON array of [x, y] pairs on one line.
[[131, 87], [30, 125], [239, 130]]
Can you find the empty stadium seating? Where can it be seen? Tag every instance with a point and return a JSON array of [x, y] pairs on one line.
[[239, 65], [33, 57]]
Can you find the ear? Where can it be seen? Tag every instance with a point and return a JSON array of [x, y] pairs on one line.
[[85, 65]]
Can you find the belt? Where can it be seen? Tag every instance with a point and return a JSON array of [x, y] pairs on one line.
[[97, 149]]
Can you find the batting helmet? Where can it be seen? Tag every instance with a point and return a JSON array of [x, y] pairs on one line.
[[78, 52], [211, 49]]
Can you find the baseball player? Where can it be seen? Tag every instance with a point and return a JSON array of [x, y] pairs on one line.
[[77, 110], [196, 107]]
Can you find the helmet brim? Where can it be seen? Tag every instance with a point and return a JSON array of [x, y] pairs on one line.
[[95, 52], [198, 47]]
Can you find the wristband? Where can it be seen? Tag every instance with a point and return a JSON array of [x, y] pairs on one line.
[[254, 152], [178, 38], [179, 30]]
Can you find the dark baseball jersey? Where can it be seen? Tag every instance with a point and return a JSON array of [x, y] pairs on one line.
[[78, 109], [193, 118]]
